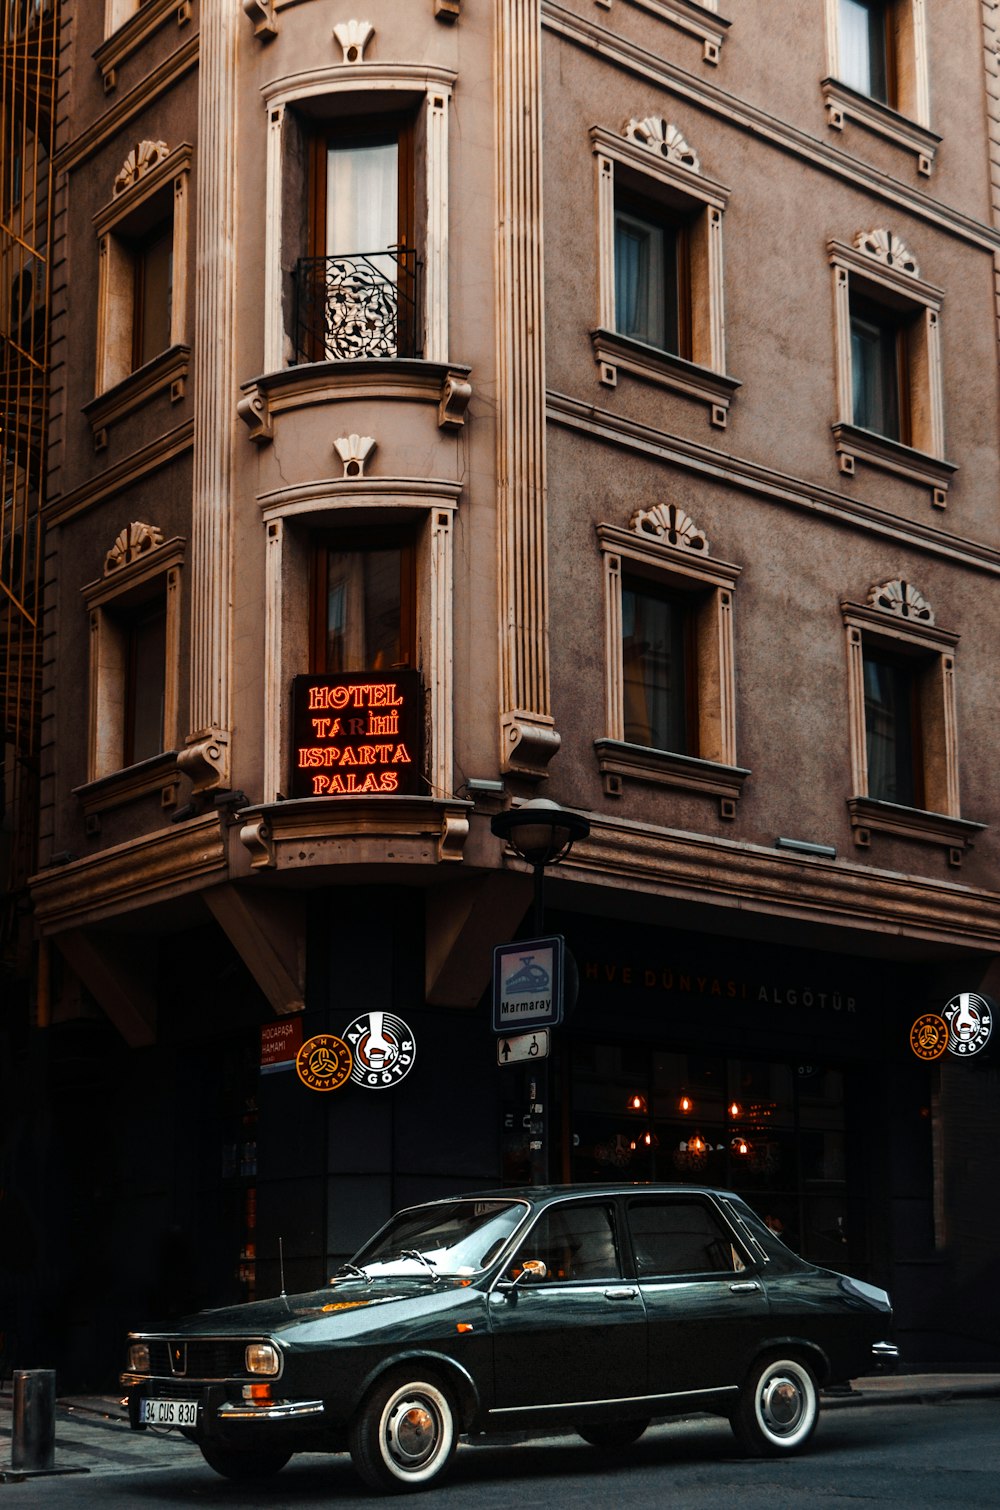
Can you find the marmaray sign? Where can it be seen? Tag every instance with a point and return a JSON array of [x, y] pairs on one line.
[[356, 733]]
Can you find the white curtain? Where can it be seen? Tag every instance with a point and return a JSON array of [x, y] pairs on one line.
[[361, 199]]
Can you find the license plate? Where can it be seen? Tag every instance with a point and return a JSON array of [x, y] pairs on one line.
[[169, 1412]]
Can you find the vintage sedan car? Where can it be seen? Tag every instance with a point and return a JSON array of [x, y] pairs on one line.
[[589, 1308]]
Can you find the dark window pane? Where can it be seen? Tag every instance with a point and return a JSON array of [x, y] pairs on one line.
[[146, 677], [890, 721], [864, 59], [577, 1242], [363, 609], [875, 375], [153, 296], [655, 632], [646, 281], [680, 1237]]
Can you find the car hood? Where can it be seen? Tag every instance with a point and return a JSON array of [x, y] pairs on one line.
[[257, 1317]]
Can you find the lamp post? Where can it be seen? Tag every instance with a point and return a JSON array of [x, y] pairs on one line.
[[541, 833]]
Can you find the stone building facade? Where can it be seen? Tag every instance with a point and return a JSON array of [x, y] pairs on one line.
[[609, 386]]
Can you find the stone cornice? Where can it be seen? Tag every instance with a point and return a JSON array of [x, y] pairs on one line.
[[110, 123], [626, 55], [726, 873], [793, 492], [152, 868], [310, 833], [116, 479]]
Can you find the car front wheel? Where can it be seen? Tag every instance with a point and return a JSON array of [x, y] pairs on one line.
[[404, 1434], [777, 1409], [242, 1465]]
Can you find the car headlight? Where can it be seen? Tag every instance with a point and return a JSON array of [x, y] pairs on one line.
[[138, 1357], [262, 1358]]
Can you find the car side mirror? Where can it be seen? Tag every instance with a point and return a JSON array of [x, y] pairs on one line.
[[532, 1270]]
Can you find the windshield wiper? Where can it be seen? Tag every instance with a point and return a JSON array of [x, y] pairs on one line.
[[422, 1259], [353, 1271]]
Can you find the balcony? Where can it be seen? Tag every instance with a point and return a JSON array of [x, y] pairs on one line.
[[353, 308]]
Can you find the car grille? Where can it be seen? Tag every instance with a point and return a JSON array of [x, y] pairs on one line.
[[207, 1358]]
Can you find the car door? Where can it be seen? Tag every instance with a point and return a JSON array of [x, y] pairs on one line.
[[705, 1303], [575, 1333]]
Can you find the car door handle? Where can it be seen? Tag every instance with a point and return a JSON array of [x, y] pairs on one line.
[[620, 1294], [744, 1288]]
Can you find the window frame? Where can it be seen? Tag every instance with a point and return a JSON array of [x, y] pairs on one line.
[[654, 163], [687, 604], [140, 570], [151, 197], [898, 622], [127, 25], [328, 538], [904, 119], [426, 90], [681, 564], [879, 270], [749, 1264]]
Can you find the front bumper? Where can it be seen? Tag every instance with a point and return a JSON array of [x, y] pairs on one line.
[[885, 1358], [221, 1405]]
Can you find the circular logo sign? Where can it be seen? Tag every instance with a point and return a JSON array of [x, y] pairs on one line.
[[929, 1036], [383, 1048], [324, 1063], [970, 1022]]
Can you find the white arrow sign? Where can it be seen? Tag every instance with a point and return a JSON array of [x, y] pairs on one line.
[[523, 1046]]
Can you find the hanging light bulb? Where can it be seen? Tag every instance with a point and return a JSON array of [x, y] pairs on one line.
[[685, 1104], [636, 1102], [741, 1147], [735, 1110], [697, 1144]]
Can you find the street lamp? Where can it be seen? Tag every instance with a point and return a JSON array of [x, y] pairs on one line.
[[541, 833]]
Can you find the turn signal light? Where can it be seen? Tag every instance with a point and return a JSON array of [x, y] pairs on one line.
[[260, 1394]]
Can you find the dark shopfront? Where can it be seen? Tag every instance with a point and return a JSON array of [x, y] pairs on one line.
[[783, 1074]]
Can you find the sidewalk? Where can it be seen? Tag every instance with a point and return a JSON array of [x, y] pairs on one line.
[[92, 1431]]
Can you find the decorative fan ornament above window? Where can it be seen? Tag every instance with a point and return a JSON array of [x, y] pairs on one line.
[[139, 161], [888, 249], [664, 139], [901, 599], [669, 523]]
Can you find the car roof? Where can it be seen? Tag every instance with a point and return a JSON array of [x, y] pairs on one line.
[[539, 1194]]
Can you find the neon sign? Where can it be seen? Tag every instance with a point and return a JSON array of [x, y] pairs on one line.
[[356, 733]]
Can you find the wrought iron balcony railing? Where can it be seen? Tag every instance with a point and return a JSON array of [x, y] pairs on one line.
[[364, 305]]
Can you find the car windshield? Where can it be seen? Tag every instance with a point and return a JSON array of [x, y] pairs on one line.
[[457, 1238]]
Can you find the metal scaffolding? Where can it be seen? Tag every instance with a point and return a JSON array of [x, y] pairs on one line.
[[27, 127]]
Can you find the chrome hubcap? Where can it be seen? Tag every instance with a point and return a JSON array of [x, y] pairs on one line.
[[412, 1433], [781, 1404]]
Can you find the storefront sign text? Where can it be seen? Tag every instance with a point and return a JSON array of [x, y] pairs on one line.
[[356, 734]]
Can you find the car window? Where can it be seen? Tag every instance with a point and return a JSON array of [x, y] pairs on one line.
[[680, 1237], [573, 1242]]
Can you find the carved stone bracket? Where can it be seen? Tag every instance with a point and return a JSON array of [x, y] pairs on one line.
[[354, 37], [257, 837], [456, 394], [528, 744], [454, 832], [669, 523], [902, 599], [205, 760], [447, 10], [255, 413], [262, 18]]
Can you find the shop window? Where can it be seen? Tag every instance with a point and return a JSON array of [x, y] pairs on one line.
[[888, 354], [877, 72], [135, 629], [670, 680], [356, 295], [357, 214], [363, 602], [142, 281], [904, 739], [660, 287]]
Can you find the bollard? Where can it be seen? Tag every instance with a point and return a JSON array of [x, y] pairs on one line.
[[33, 1446]]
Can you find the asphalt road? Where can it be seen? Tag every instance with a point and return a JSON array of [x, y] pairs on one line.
[[908, 1455]]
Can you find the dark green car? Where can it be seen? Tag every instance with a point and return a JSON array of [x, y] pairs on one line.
[[592, 1308]]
